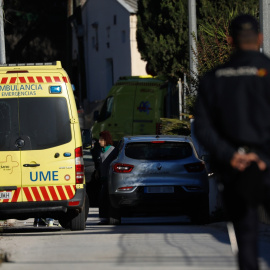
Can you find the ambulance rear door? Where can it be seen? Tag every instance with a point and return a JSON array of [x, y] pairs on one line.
[[148, 107], [10, 166], [47, 137]]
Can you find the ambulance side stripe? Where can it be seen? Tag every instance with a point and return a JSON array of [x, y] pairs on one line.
[[48, 79], [22, 80], [28, 194], [45, 193], [57, 79], [13, 80], [16, 195], [61, 192], [4, 80], [39, 79], [53, 193], [35, 79], [69, 192], [36, 194], [31, 79]]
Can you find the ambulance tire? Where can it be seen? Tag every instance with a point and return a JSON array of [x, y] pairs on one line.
[[77, 223]]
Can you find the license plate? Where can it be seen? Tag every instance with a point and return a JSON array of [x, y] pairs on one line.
[[159, 190], [5, 195]]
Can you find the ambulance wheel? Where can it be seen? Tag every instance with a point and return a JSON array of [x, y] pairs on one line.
[[77, 222]]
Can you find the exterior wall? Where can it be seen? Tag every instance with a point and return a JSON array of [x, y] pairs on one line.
[[138, 66], [108, 25]]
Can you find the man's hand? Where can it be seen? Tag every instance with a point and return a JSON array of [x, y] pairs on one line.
[[240, 161]]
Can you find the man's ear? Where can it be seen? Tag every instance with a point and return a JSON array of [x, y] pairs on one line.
[[260, 39], [230, 40]]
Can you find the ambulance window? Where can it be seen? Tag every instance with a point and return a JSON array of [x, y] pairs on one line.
[[106, 109], [9, 126], [44, 122]]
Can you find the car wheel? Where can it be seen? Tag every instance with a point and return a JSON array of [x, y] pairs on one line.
[[200, 212], [115, 217]]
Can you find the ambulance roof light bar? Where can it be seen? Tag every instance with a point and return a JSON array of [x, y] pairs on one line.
[[29, 64]]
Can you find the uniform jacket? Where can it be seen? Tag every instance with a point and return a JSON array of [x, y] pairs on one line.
[[233, 106]]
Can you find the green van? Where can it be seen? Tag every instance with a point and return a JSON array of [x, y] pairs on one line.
[[133, 106]]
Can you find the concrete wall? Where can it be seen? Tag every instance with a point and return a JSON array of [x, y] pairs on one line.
[[110, 46]]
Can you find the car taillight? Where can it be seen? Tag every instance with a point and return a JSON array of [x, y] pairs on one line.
[[122, 168], [79, 165], [195, 167], [125, 188]]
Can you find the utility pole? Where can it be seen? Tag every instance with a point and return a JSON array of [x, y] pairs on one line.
[[2, 36], [265, 25], [192, 22]]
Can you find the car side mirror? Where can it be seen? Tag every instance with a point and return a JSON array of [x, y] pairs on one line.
[[96, 115], [86, 138]]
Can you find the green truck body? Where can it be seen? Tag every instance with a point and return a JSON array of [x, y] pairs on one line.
[[134, 106]]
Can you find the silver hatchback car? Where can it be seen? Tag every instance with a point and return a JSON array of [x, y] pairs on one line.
[[158, 175]]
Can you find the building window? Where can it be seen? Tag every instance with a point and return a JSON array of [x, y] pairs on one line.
[[123, 36], [114, 19]]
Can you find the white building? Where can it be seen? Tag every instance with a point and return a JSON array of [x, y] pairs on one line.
[[110, 44]]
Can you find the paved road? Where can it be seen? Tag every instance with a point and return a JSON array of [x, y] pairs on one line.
[[140, 243]]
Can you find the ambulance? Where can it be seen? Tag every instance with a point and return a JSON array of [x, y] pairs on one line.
[[134, 106], [41, 155]]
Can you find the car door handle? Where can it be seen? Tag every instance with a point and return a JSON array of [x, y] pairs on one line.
[[31, 165]]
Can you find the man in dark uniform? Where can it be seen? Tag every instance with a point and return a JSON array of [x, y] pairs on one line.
[[232, 122]]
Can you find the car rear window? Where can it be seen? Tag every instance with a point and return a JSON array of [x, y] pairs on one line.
[[41, 122], [158, 151]]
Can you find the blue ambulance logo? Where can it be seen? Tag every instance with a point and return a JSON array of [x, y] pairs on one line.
[[144, 107]]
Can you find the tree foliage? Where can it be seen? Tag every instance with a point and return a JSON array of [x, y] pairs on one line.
[[162, 36], [35, 31], [162, 33], [213, 29]]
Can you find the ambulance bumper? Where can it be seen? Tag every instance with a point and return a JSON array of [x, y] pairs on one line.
[[45, 209]]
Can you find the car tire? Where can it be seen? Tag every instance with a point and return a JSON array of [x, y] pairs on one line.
[[115, 217], [200, 212]]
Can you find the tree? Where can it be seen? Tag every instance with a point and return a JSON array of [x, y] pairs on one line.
[[35, 31], [213, 29], [213, 48], [162, 36]]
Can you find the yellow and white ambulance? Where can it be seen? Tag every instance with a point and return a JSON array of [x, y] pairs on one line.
[[41, 157]]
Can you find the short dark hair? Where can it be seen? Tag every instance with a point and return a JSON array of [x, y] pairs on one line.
[[106, 136], [244, 29]]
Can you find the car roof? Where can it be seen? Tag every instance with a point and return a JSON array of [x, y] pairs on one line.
[[149, 138]]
